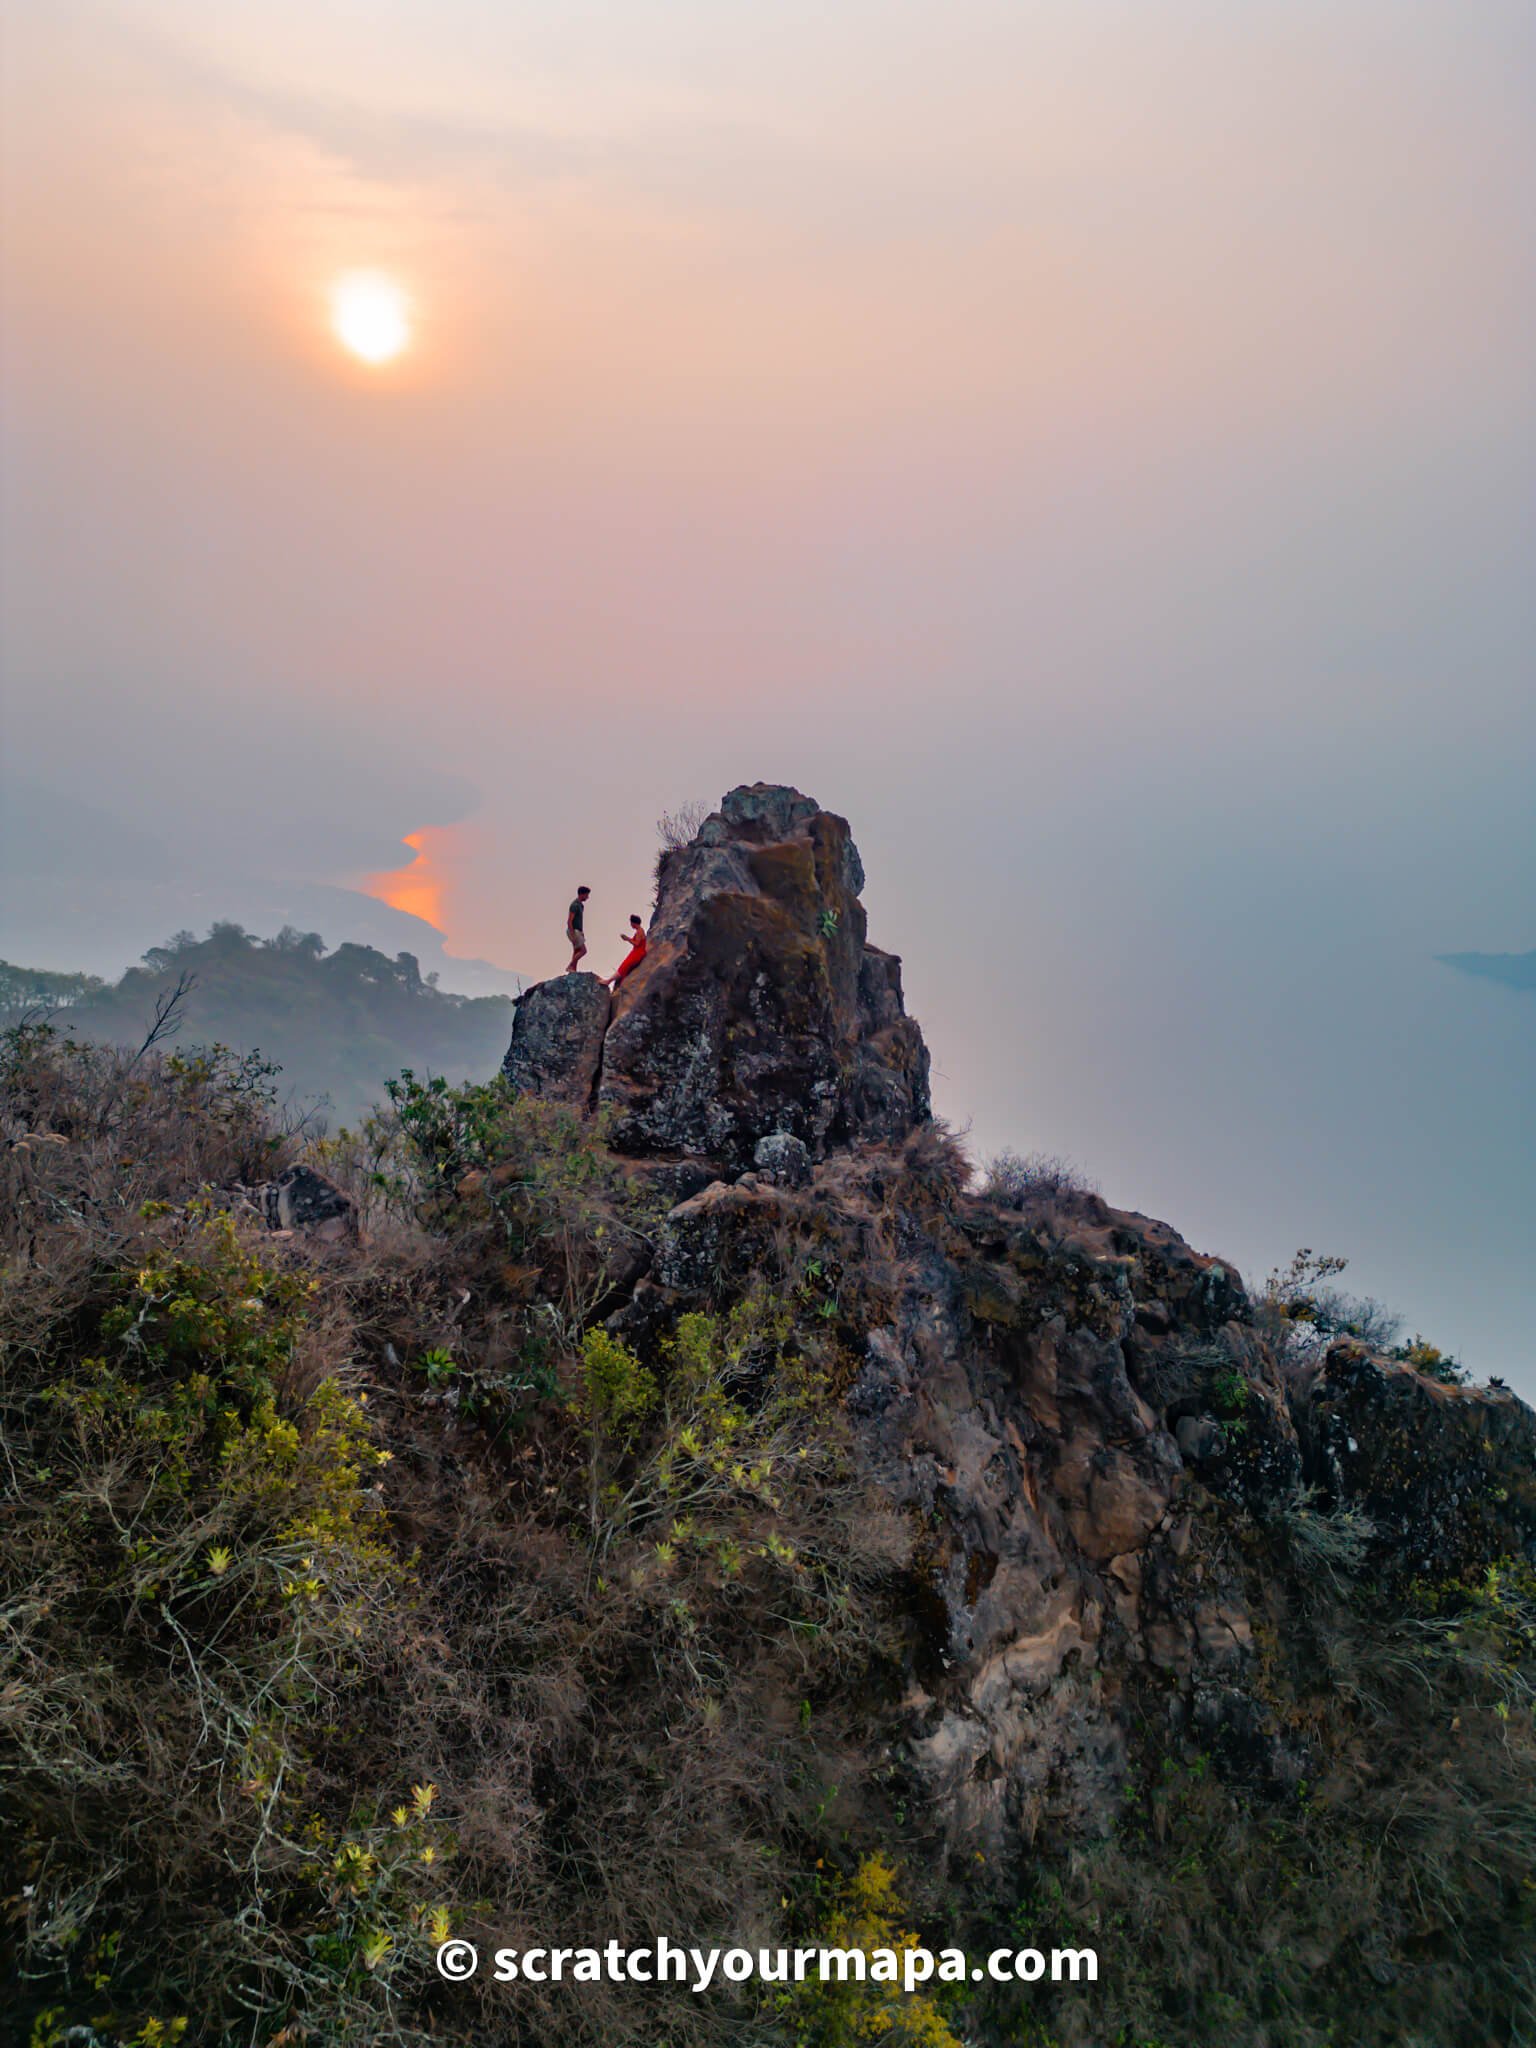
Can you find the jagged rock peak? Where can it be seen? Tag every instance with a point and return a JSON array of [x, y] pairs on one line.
[[760, 1007]]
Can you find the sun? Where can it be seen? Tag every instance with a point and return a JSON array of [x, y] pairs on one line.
[[370, 316]]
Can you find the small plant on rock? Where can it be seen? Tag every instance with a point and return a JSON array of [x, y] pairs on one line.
[[1034, 1180]]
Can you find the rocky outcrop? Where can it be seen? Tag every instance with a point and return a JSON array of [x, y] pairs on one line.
[[1080, 1415], [1089, 1431], [760, 1007], [557, 1039]]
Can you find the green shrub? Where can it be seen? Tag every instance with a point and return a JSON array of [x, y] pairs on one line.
[[197, 1566], [866, 1917]]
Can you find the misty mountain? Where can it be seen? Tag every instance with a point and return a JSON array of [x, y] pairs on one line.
[[1511, 970], [89, 890], [338, 1024]]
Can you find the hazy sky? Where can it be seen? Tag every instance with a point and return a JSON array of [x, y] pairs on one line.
[[1089, 442]]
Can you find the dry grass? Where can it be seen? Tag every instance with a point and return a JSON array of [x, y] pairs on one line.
[[1035, 1183]]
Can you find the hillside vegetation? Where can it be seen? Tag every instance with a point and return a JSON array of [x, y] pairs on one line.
[[336, 1024], [359, 1593]]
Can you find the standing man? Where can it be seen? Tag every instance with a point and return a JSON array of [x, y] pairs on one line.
[[573, 927]]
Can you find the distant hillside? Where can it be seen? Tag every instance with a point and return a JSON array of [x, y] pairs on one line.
[[338, 1024], [1513, 970], [85, 889], [39, 988]]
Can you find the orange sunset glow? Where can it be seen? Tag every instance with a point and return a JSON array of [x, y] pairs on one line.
[[417, 888]]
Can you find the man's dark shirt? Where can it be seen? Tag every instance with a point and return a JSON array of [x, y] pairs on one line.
[[575, 915]]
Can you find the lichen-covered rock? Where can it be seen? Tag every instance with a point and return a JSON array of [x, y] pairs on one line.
[[716, 1235], [782, 1160], [759, 1007], [1447, 1475], [1008, 1401], [557, 1038], [1090, 1433], [999, 1406], [298, 1200]]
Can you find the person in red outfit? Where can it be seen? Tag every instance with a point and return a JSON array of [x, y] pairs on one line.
[[636, 953]]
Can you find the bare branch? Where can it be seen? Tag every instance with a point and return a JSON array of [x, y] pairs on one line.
[[168, 1018], [679, 828]]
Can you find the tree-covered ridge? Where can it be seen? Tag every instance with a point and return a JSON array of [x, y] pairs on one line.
[[40, 988], [336, 1023]]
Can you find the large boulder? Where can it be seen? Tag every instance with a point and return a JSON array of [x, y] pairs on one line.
[[1113, 1479], [557, 1038], [760, 1007]]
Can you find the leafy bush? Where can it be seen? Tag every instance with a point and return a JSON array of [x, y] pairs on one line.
[[1430, 1360], [1304, 1315], [865, 1918], [196, 1560]]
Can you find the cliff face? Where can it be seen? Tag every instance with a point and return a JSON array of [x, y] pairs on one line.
[[760, 1006], [1084, 1420]]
